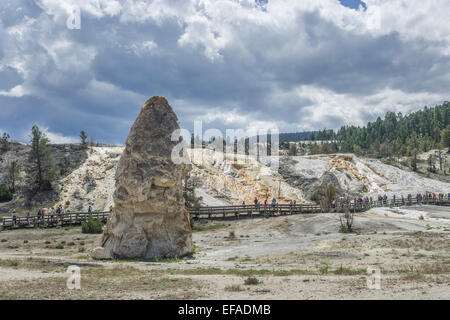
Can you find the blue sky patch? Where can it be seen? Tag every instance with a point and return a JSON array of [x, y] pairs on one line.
[[354, 4]]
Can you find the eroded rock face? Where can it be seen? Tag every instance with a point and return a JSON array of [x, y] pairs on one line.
[[150, 218]]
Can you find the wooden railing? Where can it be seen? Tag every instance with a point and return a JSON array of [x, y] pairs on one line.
[[213, 212], [272, 210], [282, 209], [47, 220]]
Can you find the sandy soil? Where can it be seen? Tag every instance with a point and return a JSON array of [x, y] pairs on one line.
[[292, 257]]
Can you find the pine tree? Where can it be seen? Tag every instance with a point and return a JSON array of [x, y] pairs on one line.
[[41, 169], [4, 142], [13, 175], [330, 193], [413, 147], [83, 137], [445, 138]]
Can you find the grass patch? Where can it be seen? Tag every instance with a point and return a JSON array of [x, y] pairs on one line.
[[241, 272], [208, 227], [102, 283], [234, 288], [349, 272]]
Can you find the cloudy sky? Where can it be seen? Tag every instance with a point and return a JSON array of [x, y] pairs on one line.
[[296, 65]]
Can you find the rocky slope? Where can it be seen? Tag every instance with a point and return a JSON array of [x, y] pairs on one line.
[[231, 182]]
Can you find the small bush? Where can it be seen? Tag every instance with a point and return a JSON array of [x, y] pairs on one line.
[[59, 246], [4, 240], [47, 186], [237, 166], [92, 225], [324, 269], [345, 230], [81, 249], [251, 281], [67, 203]]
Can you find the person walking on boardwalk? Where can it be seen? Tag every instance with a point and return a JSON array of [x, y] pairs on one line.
[[61, 213], [43, 215], [14, 216], [52, 216], [256, 203], [90, 209], [111, 208], [274, 203], [38, 215]]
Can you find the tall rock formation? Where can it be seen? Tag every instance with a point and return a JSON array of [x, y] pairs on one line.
[[150, 218]]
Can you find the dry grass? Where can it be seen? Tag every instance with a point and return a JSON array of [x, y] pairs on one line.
[[101, 283]]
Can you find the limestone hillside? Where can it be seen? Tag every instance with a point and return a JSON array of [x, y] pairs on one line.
[[86, 177]]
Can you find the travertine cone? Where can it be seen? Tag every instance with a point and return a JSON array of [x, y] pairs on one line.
[[150, 218]]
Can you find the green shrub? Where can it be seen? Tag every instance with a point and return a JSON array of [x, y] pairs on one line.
[[251, 281], [92, 226], [324, 269], [345, 230], [5, 193]]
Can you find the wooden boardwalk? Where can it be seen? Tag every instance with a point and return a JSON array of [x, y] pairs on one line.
[[47, 221], [225, 212], [284, 209]]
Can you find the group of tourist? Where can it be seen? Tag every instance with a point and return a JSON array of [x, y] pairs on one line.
[[418, 197], [382, 199], [273, 203], [55, 216]]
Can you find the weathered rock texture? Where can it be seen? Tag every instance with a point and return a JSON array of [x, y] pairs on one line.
[[150, 218]]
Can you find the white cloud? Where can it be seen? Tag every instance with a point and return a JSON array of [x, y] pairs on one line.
[[54, 137], [295, 65], [326, 103], [18, 91]]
